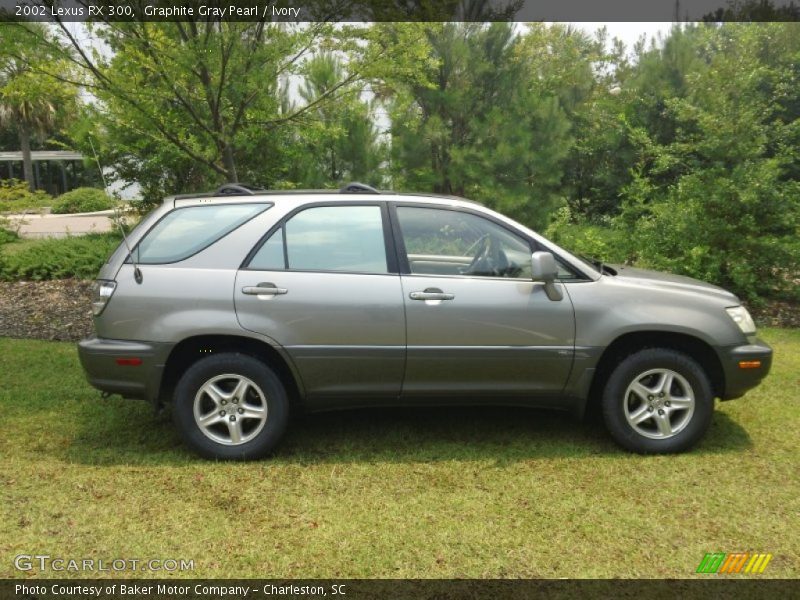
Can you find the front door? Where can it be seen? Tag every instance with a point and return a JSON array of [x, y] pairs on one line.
[[476, 322], [322, 288]]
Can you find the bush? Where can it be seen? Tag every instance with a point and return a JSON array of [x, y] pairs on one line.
[[7, 235], [16, 197], [83, 200], [602, 242], [78, 257], [737, 229]]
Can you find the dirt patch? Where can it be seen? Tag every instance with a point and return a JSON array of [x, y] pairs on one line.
[[46, 310], [62, 310]]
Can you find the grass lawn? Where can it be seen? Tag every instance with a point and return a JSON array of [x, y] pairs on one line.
[[393, 493]]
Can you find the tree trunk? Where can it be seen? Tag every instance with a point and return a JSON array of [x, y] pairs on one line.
[[230, 164], [27, 162]]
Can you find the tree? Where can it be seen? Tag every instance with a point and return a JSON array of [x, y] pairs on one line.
[[30, 103], [556, 70], [191, 104], [490, 121], [435, 120], [341, 141], [754, 10], [628, 98], [720, 200], [198, 102]]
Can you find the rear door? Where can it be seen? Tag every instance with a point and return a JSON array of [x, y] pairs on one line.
[[324, 284], [476, 321]]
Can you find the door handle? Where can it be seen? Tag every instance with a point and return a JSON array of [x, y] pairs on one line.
[[264, 289], [431, 294]]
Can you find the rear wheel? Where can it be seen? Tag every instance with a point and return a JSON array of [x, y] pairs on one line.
[[658, 401], [231, 406]]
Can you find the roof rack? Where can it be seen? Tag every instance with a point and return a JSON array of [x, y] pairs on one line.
[[236, 189], [356, 187], [226, 189], [241, 189]]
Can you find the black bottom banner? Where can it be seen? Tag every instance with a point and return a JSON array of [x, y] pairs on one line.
[[424, 589]]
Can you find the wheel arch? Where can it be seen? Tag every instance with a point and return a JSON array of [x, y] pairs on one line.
[[191, 349], [629, 343]]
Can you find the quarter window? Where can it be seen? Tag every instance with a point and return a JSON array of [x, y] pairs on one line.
[[187, 231], [449, 242]]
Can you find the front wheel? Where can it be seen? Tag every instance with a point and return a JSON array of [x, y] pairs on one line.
[[231, 406], [658, 401]]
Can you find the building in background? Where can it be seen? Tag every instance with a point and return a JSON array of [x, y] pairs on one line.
[[54, 171]]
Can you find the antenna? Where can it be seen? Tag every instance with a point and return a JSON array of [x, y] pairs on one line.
[[99, 168], [137, 273]]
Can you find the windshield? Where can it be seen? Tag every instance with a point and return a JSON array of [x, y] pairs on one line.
[[582, 264], [595, 263]]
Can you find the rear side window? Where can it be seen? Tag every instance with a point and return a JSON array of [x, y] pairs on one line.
[[327, 238], [186, 231]]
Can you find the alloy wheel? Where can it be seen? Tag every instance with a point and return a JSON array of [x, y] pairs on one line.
[[659, 403], [230, 409]]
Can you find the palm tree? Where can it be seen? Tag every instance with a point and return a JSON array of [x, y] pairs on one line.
[[31, 117], [30, 102]]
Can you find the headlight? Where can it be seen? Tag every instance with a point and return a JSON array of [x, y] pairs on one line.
[[102, 292], [743, 319]]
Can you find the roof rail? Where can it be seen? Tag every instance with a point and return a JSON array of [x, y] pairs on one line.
[[236, 189], [355, 187]]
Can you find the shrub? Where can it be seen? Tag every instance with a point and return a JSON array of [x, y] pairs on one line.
[[7, 235], [16, 197], [602, 242], [82, 200], [78, 257], [737, 229]]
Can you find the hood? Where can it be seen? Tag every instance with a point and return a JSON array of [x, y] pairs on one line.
[[670, 281]]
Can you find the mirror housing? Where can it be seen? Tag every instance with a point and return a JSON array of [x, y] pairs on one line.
[[544, 268]]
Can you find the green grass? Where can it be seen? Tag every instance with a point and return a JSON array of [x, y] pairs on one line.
[[385, 493]]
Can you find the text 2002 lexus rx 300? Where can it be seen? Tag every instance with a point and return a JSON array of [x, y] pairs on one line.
[[235, 306]]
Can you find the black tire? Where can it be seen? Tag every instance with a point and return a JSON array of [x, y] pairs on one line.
[[263, 388], [689, 424]]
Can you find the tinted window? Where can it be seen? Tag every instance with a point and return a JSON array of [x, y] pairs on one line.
[[186, 231], [448, 242], [270, 256], [329, 238]]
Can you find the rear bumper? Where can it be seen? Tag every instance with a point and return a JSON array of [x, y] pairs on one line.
[[737, 379], [99, 359]]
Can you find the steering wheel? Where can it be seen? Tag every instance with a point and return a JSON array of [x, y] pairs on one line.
[[476, 264], [481, 241], [489, 258]]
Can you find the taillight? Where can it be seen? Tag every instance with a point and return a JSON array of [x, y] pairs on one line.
[[103, 290]]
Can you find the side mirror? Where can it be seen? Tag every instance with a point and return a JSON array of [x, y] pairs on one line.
[[544, 268]]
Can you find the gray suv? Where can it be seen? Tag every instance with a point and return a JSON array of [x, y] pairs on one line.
[[239, 306]]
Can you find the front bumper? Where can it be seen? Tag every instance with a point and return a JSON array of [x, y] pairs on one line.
[[737, 379], [100, 359]]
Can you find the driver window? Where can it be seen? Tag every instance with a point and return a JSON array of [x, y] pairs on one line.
[[450, 242]]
